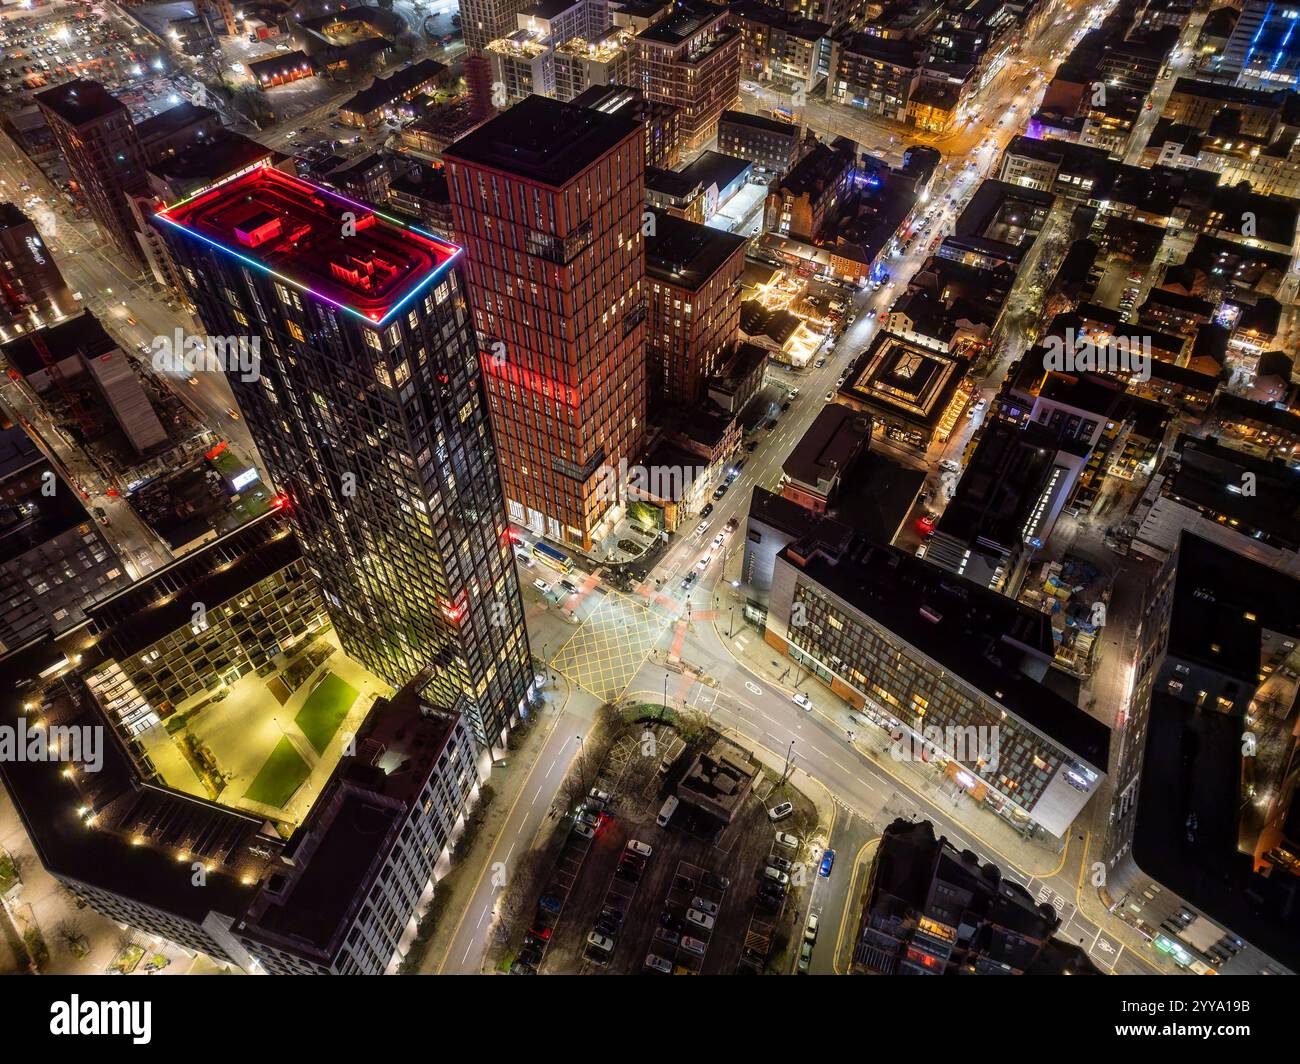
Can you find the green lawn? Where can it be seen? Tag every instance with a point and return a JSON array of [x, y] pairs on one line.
[[281, 775], [324, 711]]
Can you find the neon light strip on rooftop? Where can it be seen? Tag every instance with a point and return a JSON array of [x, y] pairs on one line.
[[304, 245]]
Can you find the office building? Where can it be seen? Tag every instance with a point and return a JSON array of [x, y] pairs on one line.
[[368, 410], [548, 200], [773, 147], [960, 669]]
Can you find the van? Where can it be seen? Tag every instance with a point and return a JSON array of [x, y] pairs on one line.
[[666, 811]]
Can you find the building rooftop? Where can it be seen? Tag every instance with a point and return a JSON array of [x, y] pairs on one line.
[[80, 101], [173, 120], [993, 643], [768, 125], [543, 140], [686, 254], [290, 228], [683, 21], [824, 452], [82, 334], [906, 380]]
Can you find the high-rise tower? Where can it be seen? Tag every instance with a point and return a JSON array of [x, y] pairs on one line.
[[368, 409]]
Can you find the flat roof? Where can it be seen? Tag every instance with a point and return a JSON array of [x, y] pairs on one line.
[[289, 228], [988, 640], [836, 436], [80, 101], [683, 21], [543, 140], [686, 254]]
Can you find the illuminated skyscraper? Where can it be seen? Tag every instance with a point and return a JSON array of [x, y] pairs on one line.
[[548, 199], [368, 410]]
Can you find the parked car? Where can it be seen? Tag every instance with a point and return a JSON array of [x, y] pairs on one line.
[[701, 920], [805, 958], [585, 830], [780, 863], [600, 942], [643, 849], [550, 903], [708, 509], [569, 586], [717, 882], [657, 963], [784, 838], [705, 906], [810, 928], [780, 812], [542, 586], [694, 945], [775, 875], [597, 795], [802, 701], [828, 862]]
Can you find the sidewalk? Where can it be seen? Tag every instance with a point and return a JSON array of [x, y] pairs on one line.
[[507, 782]]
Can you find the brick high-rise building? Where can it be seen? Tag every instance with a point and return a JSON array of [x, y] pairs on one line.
[[482, 21], [548, 200], [369, 413], [693, 280], [98, 141], [690, 58]]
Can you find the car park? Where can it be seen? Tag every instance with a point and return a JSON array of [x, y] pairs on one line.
[[704, 905], [781, 864], [717, 882], [776, 875], [780, 812]]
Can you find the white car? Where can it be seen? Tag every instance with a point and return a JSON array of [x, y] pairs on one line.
[[810, 931], [693, 945], [780, 812], [601, 942], [776, 876], [703, 563], [702, 527], [657, 963], [699, 919], [784, 838], [542, 586], [642, 849], [802, 701]]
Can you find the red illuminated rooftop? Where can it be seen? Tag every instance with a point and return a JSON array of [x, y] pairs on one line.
[[294, 230]]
